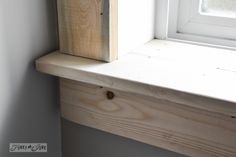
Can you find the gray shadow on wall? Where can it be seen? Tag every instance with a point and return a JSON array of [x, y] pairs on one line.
[[30, 103]]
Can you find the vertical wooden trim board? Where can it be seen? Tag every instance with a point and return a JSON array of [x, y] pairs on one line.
[[88, 28], [163, 123]]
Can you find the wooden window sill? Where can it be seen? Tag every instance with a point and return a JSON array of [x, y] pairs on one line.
[[175, 96], [163, 69]]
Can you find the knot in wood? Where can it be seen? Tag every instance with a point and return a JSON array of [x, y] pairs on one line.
[[110, 95]]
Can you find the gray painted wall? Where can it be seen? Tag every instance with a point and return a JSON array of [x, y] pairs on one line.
[[29, 110]]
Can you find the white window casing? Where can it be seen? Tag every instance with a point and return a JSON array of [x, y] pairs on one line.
[[186, 21]]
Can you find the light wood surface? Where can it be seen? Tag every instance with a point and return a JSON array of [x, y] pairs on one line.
[[184, 101], [191, 80], [88, 28], [158, 122]]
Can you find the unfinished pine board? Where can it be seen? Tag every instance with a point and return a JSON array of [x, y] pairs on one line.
[[172, 95], [102, 29], [158, 122], [88, 28], [157, 70]]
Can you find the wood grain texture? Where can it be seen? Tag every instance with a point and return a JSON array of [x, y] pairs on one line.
[[158, 122], [88, 28], [152, 78]]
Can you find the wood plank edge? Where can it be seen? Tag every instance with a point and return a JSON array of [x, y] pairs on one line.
[[218, 106]]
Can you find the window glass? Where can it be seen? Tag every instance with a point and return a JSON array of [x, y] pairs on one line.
[[224, 7]]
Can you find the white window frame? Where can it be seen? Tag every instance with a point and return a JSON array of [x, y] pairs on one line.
[[174, 21]]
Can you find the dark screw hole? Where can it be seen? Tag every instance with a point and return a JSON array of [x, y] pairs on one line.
[[233, 117], [101, 13], [110, 95]]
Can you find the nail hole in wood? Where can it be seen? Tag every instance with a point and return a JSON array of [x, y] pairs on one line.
[[233, 117], [110, 95], [101, 13]]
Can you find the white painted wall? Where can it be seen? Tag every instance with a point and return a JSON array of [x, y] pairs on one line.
[[136, 20]]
